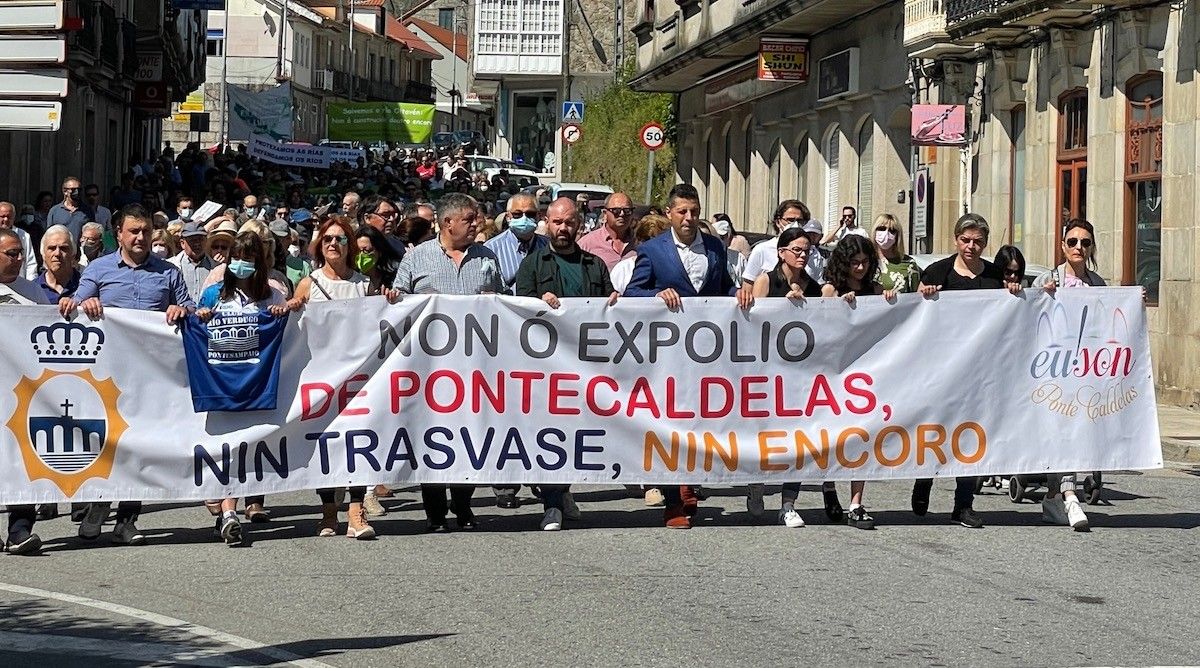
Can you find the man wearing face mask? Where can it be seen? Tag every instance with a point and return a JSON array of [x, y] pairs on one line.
[[250, 210], [69, 212], [287, 253], [520, 239], [193, 261], [91, 243], [184, 210], [29, 268], [765, 255]]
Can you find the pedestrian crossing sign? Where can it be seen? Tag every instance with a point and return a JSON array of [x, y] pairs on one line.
[[572, 111]]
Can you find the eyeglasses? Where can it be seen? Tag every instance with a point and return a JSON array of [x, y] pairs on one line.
[[339, 239], [387, 214], [793, 220], [14, 253], [620, 211], [532, 213], [1079, 241], [797, 251], [849, 215]]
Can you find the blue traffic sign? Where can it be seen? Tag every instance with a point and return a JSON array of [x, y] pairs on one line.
[[572, 111]]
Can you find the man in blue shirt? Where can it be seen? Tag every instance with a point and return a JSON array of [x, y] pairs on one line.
[[69, 212], [129, 278], [520, 240]]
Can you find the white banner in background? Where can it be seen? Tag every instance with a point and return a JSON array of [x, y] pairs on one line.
[[267, 112], [501, 390], [301, 155]]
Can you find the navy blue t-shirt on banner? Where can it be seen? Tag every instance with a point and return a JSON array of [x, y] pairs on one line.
[[233, 360]]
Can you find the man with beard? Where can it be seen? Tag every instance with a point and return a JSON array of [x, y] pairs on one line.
[[562, 269]]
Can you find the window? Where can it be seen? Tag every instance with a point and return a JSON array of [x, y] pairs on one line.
[[832, 182], [866, 172], [446, 18], [1016, 204], [215, 47], [1072, 160], [534, 129], [1142, 249], [519, 36]]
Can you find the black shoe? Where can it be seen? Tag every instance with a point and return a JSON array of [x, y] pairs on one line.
[[47, 511], [508, 501], [22, 541], [920, 497], [437, 528], [466, 523], [859, 519], [833, 507], [968, 518]]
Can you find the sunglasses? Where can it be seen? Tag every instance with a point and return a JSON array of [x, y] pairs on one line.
[[884, 228], [620, 210], [529, 214], [339, 239], [793, 220], [1077, 241]]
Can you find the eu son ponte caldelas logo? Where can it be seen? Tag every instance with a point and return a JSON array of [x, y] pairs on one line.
[[66, 421]]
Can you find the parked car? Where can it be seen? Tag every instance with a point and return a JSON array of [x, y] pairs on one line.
[[555, 190], [472, 140]]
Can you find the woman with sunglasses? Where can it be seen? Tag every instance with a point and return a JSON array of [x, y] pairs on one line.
[[1061, 505], [851, 271], [244, 288], [897, 271], [788, 279], [333, 278]]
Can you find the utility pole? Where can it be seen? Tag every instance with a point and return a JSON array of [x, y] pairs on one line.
[[619, 41], [454, 77], [283, 13], [351, 74], [222, 138]]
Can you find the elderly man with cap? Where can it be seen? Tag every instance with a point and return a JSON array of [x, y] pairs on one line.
[[193, 261]]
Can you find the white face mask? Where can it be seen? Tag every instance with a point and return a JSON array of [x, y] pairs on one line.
[[294, 250], [885, 238], [159, 250], [185, 213]]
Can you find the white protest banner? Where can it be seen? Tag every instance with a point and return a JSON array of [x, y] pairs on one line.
[[267, 112], [207, 211], [493, 389], [291, 155], [350, 155]]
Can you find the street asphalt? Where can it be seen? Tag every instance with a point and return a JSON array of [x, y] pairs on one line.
[[615, 589]]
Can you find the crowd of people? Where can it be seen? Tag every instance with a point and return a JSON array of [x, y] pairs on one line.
[[381, 229]]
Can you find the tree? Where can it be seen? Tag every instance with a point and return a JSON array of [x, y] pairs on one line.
[[611, 153]]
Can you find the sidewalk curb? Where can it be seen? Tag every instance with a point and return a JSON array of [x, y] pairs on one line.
[[1175, 450]]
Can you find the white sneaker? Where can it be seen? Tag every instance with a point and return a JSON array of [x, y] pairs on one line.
[[754, 500], [1075, 515], [126, 533], [570, 508], [371, 504], [1053, 511], [552, 520], [654, 497], [231, 529], [93, 521], [791, 519]]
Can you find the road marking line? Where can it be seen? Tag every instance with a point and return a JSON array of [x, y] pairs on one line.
[[170, 622]]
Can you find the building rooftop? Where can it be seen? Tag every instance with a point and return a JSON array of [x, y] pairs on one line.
[[444, 37]]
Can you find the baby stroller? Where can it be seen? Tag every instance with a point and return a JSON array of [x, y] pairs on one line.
[[1020, 486]]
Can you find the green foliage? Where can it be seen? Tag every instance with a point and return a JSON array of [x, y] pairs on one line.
[[611, 153]]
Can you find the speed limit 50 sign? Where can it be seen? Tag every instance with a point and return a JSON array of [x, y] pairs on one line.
[[652, 136]]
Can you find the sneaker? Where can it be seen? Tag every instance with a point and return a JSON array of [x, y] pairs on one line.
[[256, 513], [1075, 515], [920, 497], [754, 501], [126, 533], [93, 520], [356, 524], [968, 518], [22, 541], [507, 501], [231, 530], [833, 507], [675, 518], [552, 520], [859, 519], [372, 505], [570, 509], [791, 519], [1053, 511], [654, 497]]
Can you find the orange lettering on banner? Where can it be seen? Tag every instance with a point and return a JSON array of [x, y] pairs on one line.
[[653, 445], [840, 450], [691, 452], [728, 455], [923, 443], [819, 455], [981, 439], [905, 446], [765, 451]]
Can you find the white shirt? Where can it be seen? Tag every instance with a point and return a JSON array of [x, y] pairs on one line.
[[31, 264], [694, 259], [621, 273], [765, 255]]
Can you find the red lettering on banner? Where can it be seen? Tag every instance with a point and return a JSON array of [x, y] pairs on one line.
[[706, 405], [309, 411], [481, 389], [780, 409], [749, 395], [642, 397], [557, 391], [456, 383], [821, 396], [346, 393], [397, 392], [852, 384], [594, 407], [527, 378], [672, 411]]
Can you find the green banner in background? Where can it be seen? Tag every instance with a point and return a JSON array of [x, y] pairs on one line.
[[401, 122]]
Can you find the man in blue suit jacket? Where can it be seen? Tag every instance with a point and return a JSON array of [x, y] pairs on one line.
[[683, 261]]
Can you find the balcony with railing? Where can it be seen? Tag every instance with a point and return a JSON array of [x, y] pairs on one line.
[[83, 45], [129, 55], [1006, 21], [110, 38], [415, 91], [925, 33]]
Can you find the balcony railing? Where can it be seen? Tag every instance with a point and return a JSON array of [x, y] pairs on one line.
[[129, 55], [924, 21], [384, 92], [415, 91], [960, 11], [110, 38], [323, 80]]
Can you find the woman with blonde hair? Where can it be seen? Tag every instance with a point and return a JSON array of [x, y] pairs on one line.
[[489, 228], [163, 245], [897, 271]]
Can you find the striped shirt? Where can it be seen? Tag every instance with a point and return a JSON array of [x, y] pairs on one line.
[[511, 251], [427, 269], [194, 273]]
